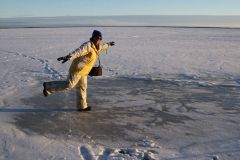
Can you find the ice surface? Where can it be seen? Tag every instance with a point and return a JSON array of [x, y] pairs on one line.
[[166, 93]]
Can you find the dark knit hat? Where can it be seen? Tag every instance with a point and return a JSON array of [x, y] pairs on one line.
[[96, 33]]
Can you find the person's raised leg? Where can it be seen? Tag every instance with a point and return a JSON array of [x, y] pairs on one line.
[[56, 86]]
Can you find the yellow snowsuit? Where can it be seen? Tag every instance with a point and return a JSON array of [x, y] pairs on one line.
[[84, 59]]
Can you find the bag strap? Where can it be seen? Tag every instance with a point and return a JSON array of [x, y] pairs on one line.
[[97, 55], [99, 62]]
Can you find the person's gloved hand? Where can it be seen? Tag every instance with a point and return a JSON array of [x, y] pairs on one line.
[[64, 59], [111, 43]]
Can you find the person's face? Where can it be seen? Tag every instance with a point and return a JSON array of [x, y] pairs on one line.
[[97, 40]]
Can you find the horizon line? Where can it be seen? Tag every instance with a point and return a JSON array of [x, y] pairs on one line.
[[114, 16], [109, 26]]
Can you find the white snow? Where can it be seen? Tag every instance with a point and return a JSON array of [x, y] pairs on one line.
[[166, 93]]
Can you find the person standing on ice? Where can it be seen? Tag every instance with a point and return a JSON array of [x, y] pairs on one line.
[[84, 59]]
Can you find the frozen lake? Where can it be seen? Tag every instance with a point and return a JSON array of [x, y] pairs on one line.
[[166, 93]]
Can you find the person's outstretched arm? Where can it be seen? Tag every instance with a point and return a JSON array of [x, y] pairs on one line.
[[105, 46], [81, 51]]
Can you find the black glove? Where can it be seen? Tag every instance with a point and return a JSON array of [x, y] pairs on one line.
[[111, 43], [64, 59]]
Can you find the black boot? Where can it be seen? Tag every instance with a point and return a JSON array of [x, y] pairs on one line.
[[45, 92], [85, 109]]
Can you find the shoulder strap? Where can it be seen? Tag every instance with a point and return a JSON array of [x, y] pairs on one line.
[[97, 54], [99, 62]]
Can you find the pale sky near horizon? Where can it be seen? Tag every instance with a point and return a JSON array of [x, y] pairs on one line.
[[51, 8]]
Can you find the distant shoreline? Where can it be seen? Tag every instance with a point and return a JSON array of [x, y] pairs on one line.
[[179, 21], [109, 26]]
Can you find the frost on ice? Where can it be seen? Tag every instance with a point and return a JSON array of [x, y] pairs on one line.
[[166, 93]]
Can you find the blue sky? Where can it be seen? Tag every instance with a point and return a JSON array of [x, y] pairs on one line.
[[49, 8]]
